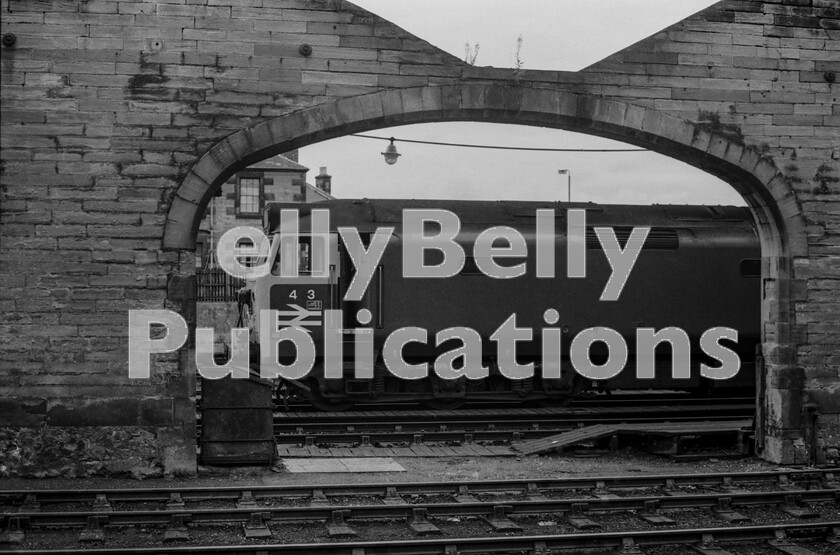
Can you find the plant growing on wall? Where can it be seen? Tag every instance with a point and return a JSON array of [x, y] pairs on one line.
[[518, 63], [471, 53], [710, 121], [824, 178]]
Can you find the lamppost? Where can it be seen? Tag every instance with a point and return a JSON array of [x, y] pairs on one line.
[[568, 175]]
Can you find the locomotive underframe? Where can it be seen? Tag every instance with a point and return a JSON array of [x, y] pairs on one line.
[[384, 387]]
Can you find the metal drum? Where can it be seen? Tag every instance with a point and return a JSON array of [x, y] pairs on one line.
[[237, 421]]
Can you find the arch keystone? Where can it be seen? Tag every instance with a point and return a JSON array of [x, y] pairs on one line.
[[505, 100]]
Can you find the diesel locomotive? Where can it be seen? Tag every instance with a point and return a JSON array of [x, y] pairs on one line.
[[698, 269]]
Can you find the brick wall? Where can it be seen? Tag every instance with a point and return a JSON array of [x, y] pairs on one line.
[[107, 106]]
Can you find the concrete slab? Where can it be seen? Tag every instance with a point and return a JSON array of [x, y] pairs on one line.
[[342, 465], [373, 464], [289, 452]]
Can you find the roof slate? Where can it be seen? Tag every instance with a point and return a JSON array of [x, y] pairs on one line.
[[278, 163]]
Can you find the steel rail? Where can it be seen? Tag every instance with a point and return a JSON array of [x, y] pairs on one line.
[[480, 419], [826, 478], [628, 541], [388, 427], [590, 404], [487, 509], [618, 399], [597, 400], [512, 414], [456, 436], [389, 423]]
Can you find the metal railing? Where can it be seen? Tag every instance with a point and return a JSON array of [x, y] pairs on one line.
[[216, 285]]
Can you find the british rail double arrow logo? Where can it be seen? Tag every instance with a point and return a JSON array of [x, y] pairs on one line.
[[298, 317]]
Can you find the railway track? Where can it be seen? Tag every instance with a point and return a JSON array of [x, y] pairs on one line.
[[786, 504], [480, 425], [467, 426], [785, 538], [598, 400]]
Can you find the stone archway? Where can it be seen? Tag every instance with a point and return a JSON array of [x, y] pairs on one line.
[[781, 225]]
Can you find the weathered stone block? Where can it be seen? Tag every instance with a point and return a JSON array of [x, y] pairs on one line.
[[23, 412], [178, 450], [79, 452], [156, 412], [181, 288], [319, 77], [106, 411]]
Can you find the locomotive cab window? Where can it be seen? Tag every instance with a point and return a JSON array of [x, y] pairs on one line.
[[470, 267], [306, 251], [750, 267]]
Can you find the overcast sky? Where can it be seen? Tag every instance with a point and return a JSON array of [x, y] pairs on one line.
[[558, 35]]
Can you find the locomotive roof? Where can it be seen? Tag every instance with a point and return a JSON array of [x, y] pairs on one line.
[[358, 212]]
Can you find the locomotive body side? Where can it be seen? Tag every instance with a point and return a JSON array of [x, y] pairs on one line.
[[689, 274]]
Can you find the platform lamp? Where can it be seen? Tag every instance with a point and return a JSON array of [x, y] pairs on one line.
[[568, 175], [391, 155]]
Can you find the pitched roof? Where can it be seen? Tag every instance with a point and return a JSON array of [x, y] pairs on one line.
[[319, 192], [278, 163]]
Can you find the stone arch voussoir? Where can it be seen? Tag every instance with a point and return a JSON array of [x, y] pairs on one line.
[[756, 178], [780, 222]]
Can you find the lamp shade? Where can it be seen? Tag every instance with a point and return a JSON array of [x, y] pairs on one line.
[[391, 155]]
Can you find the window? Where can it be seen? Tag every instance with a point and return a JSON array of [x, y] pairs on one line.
[[310, 260], [199, 255], [247, 261], [249, 197]]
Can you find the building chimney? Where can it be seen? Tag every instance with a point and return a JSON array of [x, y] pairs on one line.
[[323, 180]]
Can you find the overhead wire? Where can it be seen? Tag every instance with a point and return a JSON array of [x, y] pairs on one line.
[[535, 149]]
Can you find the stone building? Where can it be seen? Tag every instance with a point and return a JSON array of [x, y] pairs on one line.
[[241, 199], [240, 202]]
